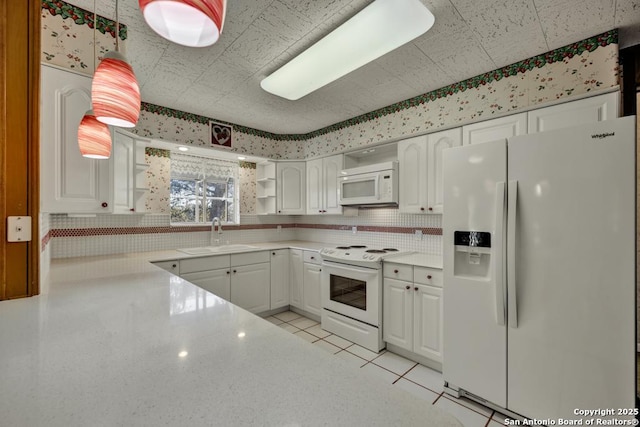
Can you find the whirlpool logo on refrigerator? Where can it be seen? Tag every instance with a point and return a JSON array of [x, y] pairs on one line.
[[602, 135]]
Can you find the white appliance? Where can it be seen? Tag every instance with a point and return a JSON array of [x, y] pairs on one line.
[[539, 262], [375, 185], [351, 293]]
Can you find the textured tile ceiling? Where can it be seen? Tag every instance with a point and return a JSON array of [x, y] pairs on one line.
[[469, 37]]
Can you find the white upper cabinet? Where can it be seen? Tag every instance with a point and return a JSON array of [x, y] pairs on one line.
[[291, 188], [412, 167], [420, 160], [323, 191], [69, 182], [495, 129], [266, 188], [436, 143], [575, 113]]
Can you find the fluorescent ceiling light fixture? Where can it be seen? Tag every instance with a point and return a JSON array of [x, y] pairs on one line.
[[181, 148], [379, 28], [242, 158]]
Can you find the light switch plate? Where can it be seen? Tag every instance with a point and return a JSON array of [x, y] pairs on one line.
[[18, 229]]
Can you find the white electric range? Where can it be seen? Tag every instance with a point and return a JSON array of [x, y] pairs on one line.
[[352, 292]]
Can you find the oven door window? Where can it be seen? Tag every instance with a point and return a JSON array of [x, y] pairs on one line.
[[347, 291]]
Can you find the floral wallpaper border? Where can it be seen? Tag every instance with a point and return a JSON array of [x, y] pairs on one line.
[[84, 17], [247, 165], [157, 152], [556, 55]]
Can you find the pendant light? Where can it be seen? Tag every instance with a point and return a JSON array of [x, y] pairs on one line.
[[193, 23], [94, 137], [114, 92]]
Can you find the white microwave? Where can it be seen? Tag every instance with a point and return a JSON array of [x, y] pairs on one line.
[[370, 185]]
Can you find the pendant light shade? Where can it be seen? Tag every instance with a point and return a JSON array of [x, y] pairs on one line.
[[94, 138], [115, 93], [193, 23]]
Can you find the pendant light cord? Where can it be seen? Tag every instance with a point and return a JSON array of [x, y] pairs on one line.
[[117, 28], [95, 25]]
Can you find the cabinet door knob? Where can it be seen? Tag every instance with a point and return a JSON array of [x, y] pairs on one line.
[[320, 211], [430, 209], [105, 204], [421, 209], [324, 211], [228, 272], [174, 265], [428, 276], [273, 253], [395, 271], [415, 289], [313, 257], [235, 271], [279, 211], [132, 210], [408, 287]]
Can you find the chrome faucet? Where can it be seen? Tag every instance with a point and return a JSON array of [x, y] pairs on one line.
[[216, 221]]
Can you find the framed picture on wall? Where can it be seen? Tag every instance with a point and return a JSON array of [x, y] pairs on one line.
[[221, 134]]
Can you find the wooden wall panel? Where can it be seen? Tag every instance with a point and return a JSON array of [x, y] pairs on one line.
[[19, 124]]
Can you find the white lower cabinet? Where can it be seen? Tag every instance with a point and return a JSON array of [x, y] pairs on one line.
[[218, 282], [412, 311], [279, 278], [249, 289], [296, 290], [311, 294]]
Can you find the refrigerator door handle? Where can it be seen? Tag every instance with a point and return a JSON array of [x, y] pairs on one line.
[[511, 253], [498, 253]]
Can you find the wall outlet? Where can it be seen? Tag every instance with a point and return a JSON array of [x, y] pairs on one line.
[[418, 235], [354, 229], [279, 229]]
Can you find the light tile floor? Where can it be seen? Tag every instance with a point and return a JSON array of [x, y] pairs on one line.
[[412, 377]]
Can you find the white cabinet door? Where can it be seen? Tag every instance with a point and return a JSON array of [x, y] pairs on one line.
[[215, 281], [279, 278], [314, 187], [123, 154], [495, 129], [69, 182], [331, 167], [311, 293], [436, 143], [412, 166], [427, 329], [250, 287], [575, 113], [291, 188], [296, 279], [397, 313]]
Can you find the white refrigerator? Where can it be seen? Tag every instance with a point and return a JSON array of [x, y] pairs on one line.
[[539, 270]]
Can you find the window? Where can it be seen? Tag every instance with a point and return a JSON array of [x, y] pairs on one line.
[[203, 189]]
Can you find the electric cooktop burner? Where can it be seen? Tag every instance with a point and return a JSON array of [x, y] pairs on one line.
[[357, 247], [343, 247], [390, 249]]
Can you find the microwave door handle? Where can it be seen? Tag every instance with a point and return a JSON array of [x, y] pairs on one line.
[[377, 187]]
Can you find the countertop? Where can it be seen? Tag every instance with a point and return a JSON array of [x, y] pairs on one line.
[[419, 259], [104, 347]]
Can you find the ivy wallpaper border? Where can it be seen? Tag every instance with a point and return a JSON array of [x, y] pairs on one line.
[[84, 17], [157, 152], [557, 55]]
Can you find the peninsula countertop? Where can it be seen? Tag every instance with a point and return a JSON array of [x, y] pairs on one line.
[[118, 341]]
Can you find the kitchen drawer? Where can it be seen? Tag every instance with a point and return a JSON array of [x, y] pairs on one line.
[[250, 258], [192, 265], [312, 257], [170, 266], [398, 271], [427, 276]]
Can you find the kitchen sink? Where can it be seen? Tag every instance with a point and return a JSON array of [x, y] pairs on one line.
[[205, 250]]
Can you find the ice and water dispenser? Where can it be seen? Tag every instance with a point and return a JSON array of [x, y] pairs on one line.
[[472, 253]]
